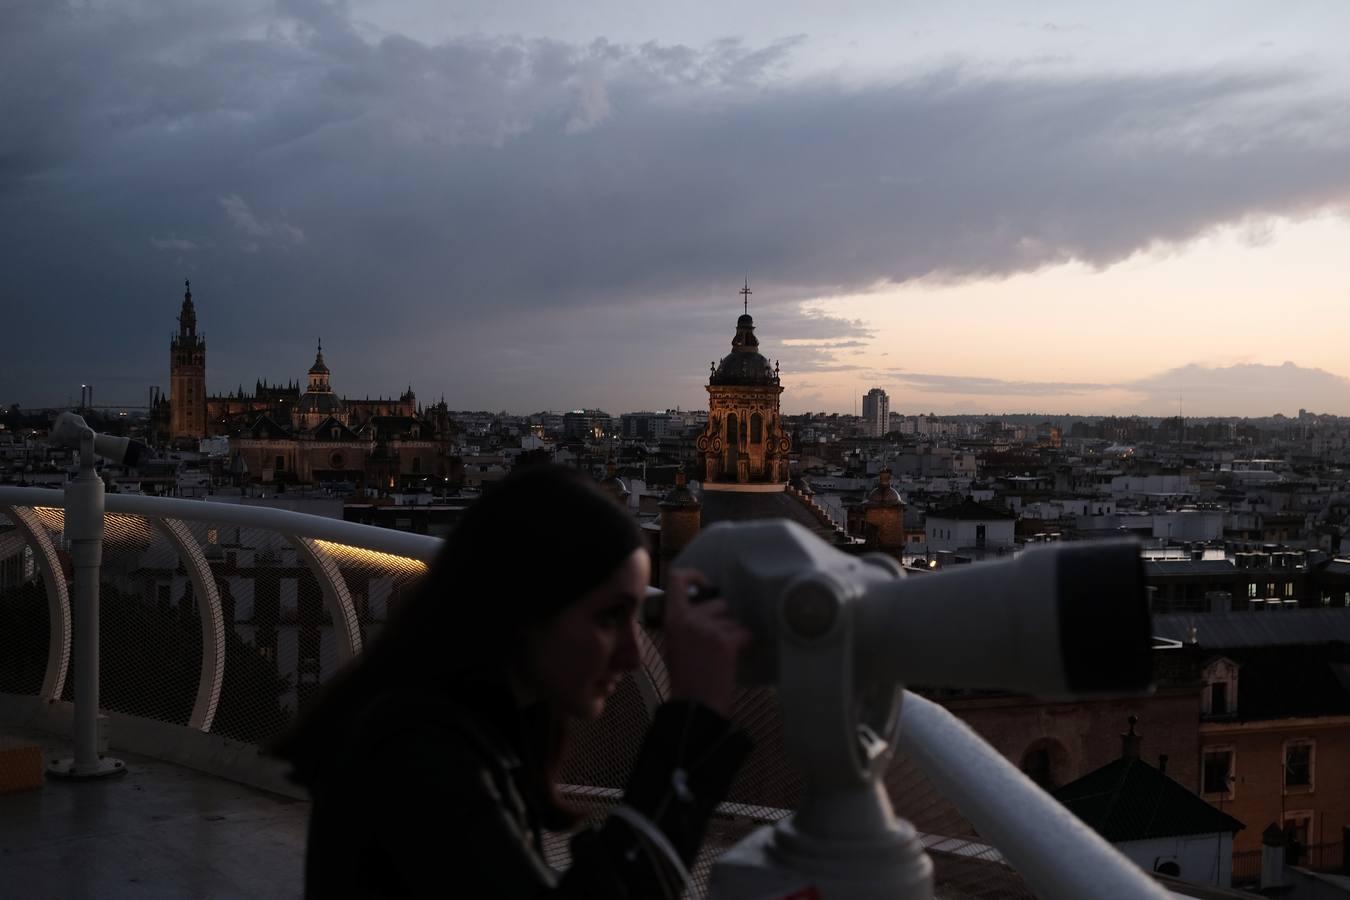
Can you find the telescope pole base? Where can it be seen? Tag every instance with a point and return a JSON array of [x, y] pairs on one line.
[[69, 770], [758, 869]]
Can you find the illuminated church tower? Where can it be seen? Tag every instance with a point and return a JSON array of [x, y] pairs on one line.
[[744, 447], [187, 375]]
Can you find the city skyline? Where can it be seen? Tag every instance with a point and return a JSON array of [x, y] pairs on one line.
[[1291, 381], [979, 208]]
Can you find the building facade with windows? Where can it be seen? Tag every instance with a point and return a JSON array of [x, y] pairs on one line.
[[970, 526], [1275, 740], [876, 412]]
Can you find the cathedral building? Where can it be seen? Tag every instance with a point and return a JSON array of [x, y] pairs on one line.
[[279, 433]]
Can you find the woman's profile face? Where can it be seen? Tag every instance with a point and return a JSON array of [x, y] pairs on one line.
[[581, 655]]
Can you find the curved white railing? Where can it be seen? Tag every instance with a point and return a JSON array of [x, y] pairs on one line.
[[1056, 854], [318, 541]]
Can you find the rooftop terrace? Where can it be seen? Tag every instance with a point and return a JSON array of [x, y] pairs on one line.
[[218, 621]]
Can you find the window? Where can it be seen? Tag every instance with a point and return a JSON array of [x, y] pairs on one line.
[[1221, 694], [1289, 589], [1298, 766], [756, 428], [1217, 777], [1046, 762], [280, 464], [1251, 591]]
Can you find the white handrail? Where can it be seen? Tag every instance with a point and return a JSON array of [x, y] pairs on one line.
[[1059, 856], [371, 537]]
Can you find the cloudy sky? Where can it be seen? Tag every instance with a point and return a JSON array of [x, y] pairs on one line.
[[534, 205]]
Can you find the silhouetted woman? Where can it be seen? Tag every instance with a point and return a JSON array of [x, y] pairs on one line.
[[431, 760]]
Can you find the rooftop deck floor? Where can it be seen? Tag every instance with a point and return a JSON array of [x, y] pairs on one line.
[[158, 831]]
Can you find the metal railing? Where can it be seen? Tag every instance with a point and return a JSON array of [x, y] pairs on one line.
[[1325, 857], [220, 620]]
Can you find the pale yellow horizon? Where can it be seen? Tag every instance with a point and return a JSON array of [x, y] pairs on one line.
[[1170, 325]]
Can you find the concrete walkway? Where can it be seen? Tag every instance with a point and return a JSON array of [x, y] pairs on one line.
[[158, 831]]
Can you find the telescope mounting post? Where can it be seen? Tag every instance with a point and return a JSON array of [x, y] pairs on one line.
[[844, 840]]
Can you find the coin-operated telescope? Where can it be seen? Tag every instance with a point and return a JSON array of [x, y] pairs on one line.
[[839, 635]]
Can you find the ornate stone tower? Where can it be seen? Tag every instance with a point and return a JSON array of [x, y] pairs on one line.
[[681, 518], [744, 447], [319, 402], [318, 374], [884, 517], [187, 375]]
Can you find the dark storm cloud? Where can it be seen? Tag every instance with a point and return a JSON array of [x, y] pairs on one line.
[[434, 206]]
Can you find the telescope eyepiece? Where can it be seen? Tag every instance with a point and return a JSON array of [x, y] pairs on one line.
[[654, 606]]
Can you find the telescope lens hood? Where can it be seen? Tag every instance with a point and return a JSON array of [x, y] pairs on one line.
[[1104, 625]]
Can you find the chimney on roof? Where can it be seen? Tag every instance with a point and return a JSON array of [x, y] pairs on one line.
[[1129, 742]]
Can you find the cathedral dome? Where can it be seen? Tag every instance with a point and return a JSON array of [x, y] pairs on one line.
[[324, 403], [883, 494], [744, 368], [744, 365]]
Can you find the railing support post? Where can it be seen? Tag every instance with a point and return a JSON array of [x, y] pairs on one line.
[[84, 528]]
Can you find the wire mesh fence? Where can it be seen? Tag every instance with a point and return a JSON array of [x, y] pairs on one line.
[[25, 624], [279, 639]]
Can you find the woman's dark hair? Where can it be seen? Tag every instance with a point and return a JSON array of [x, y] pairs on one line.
[[532, 545]]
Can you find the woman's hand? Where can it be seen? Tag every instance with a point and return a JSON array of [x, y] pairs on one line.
[[703, 644]]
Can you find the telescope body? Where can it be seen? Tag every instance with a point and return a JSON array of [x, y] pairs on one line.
[[1059, 620], [839, 635]]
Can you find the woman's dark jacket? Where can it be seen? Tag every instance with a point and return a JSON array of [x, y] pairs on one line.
[[424, 798]]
